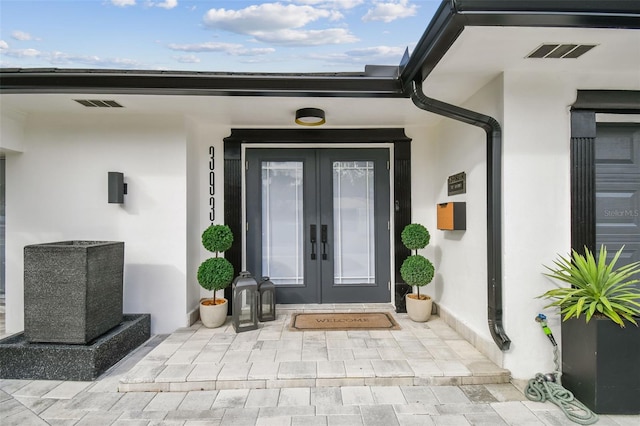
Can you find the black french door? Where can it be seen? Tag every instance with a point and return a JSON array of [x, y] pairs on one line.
[[318, 223]]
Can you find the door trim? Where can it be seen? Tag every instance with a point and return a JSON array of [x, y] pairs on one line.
[[401, 190], [583, 176]]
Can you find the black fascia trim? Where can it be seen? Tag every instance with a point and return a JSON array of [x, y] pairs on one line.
[[595, 7], [608, 101], [453, 16], [494, 202], [198, 84], [441, 33], [310, 136]]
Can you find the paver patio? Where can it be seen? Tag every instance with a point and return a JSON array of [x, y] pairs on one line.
[[380, 379]]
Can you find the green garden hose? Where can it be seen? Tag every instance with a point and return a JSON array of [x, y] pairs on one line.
[[548, 387]]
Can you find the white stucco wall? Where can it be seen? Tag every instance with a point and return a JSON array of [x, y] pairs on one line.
[[534, 111], [202, 136], [460, 284], [11, 131], [57, 190], [536, 201]]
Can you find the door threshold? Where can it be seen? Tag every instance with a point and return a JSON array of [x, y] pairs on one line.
[[387, 306]]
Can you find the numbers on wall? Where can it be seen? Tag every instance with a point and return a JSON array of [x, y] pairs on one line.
[[212, 186]]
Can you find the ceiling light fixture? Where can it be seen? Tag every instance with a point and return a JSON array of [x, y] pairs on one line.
[[310, 117]]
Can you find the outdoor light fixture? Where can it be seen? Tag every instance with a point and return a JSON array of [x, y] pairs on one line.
[[244, 315], [310, 117], [117, 187], [266, 300]]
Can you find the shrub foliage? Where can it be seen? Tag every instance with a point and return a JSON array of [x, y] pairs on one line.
[[216, 273], [217, 238], [596, 287], [417, 271], [415, 236]]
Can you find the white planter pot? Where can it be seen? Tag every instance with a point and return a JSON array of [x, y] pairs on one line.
[[418, 310], [213, 316]]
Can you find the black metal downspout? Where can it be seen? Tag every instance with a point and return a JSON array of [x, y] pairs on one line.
[[494, 201]]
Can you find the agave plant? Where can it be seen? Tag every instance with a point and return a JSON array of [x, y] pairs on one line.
[[596, 287]]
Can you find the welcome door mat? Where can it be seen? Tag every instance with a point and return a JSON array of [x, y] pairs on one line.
[[344, 321]]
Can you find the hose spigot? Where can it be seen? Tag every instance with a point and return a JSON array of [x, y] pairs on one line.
[[542, 319]]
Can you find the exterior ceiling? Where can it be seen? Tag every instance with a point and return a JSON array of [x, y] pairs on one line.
[[478, 56]]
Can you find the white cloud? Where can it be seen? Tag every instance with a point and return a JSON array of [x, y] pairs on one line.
[[123, 3], [22, 36], [256, 51], [23, 53], [228, 48], [264, 17], [188, 59], [61, 58], [3, 45], [387, 12], [165, 4], [204, 47], [65, 59], [307, 38], [377, 51], [331, 4], [380, 55], [280, 24]]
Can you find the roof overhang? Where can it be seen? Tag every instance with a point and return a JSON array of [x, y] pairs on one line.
[[198, 83], [453, 16], [466, 44]]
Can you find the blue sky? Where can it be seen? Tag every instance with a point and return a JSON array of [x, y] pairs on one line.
[[211, 35]]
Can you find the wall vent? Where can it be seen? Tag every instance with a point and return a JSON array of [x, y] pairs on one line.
[[93, 103], [565, 51]]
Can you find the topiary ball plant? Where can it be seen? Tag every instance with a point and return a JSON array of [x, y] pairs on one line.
[[216, 273], [415, 236], [416, 270], [217, 238]]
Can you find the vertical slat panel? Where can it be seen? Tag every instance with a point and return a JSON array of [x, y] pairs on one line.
[[233, 207], [583, 195], [402, 206]]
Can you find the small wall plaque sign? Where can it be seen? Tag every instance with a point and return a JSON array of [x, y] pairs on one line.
[[457, 184]]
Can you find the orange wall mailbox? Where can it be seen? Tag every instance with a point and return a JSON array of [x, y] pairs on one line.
[[452, 216]]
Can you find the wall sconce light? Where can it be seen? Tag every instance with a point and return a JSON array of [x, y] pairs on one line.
[[310, 117], [117, 187]]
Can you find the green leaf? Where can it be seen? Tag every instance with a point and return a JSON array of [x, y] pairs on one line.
[[595, 285]]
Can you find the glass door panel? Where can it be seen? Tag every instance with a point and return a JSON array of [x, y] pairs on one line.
[[281, 205], [282, 222], [353, 218]]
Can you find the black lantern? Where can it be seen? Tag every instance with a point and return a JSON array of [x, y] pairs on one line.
[[266, 300], [245, 292]]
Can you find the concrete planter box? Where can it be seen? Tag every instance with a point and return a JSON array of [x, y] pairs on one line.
[[22, 360], [72, 290], [601, 364]]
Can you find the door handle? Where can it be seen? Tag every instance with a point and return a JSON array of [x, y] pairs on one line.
[[313, 232], [323, 236]]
